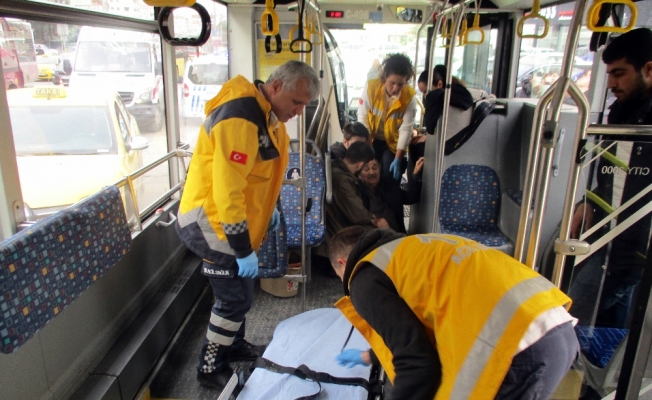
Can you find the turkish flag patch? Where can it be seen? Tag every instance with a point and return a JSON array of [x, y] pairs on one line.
[[361, 101], [238, 157]]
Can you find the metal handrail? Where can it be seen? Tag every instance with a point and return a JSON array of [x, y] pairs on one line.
[[128, 182], [546, 136], [618, 130], [443, 119]]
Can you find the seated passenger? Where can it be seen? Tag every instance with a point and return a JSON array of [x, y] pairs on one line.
[[462, 101], [347, 209], [352, 132], [382, 199]]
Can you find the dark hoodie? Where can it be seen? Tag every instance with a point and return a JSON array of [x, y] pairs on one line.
[[376, 300], [434, 104]]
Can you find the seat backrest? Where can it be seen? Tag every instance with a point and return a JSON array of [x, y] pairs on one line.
[[273, 252], [46, 266], [291, 199], [470, 196]]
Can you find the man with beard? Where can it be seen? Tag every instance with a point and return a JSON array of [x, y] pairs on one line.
[[623, 172]]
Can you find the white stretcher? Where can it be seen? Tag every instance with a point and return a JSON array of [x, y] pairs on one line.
[[313, 338]]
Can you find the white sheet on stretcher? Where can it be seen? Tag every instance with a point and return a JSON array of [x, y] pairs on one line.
[[313, 338]]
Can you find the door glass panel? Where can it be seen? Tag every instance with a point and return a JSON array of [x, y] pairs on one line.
[[614, 217]]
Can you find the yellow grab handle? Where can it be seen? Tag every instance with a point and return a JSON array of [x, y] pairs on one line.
[[269, 12], [462, 38], [535, 14], [593, 16], [313, 30], [475, 28]]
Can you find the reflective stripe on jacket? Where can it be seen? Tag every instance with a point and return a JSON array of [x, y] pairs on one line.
[[394, 117], [235, 174], [474, 303]]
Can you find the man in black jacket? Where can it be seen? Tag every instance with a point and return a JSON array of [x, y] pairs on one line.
[[624, 171], [352, 132]]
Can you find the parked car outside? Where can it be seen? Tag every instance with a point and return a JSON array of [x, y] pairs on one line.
[[70, 143]]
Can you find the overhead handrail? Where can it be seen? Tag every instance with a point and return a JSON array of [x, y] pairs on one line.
[[475, 27], [534, 14], [593, 16], [301, 40], [164, 28]]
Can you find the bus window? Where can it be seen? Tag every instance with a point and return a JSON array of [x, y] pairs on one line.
[[81, 135], [201, 70], [540, 59], [12, 74], [22, 36]]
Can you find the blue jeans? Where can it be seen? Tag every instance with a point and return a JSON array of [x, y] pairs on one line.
[[536, 372], [385, 157], [615, 295]]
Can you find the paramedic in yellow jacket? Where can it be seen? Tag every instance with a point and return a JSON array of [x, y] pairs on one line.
[[386, 108], [451, 319], [229, 199]]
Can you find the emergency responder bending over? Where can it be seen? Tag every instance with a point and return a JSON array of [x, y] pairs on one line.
[[449, 318], [233, 183]]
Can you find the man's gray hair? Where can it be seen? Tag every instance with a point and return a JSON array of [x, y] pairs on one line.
[[290, 72]]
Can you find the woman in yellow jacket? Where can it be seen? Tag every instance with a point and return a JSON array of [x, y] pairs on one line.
[[449, 318], [387, 107]]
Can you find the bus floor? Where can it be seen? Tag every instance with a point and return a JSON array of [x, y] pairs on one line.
[[176, 375]]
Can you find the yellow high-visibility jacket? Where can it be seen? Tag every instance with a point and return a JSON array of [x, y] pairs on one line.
[[475, 304], [235, 174], [394, 117]]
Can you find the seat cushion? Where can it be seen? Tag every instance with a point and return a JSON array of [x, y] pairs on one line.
[[599, 344]]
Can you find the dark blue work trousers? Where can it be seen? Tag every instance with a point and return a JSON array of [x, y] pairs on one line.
[[536, 371], [226, 329]]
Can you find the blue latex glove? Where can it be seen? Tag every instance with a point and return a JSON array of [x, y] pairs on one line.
[[350, 358], [275, 222], [395, 168], [248, 266]]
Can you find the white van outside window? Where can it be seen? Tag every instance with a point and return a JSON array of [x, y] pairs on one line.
[[127, 62]]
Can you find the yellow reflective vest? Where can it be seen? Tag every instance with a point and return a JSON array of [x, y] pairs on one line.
[[477, 303], [394, 117], [235, 175]]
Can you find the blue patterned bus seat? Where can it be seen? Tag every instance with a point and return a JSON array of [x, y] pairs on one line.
[[46, 266], [273, 252], [598, 344], [469, 205], [291, 201]]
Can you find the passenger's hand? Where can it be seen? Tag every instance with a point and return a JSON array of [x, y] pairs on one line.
[[248, 266], [579, 216], [380, 223], [418, 166], [275, 222], [395, 168], [350, 358]]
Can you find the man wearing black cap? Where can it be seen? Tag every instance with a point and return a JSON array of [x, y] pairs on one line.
[[624, 170]]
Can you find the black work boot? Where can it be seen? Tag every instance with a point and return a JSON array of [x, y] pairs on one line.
[[246, 352], [216, 379]]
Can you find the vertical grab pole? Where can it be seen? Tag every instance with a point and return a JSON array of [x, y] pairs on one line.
[[302, 163], [551, 131], [440, 17], [443, 120], [530, 173], [573, 178], [416, 52]]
